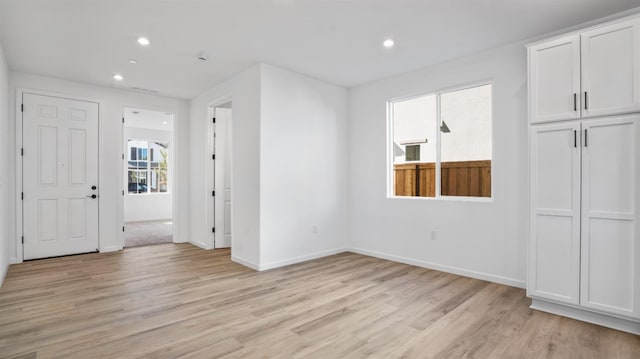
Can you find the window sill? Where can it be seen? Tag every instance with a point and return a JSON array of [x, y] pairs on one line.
[[445, 199], [147, 194]]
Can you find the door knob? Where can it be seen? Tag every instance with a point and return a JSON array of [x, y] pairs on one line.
[[94, 188], [93, 196]]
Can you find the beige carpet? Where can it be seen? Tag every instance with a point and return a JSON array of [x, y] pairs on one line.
[[138, 234]]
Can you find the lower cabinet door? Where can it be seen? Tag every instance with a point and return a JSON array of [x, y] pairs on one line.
[[610, 246], [554, 244]]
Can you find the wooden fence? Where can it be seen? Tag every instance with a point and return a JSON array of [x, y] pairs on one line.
[[467, 178]]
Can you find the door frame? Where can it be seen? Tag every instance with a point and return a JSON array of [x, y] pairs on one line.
[[19, 166], [209, 168], [172, 170]]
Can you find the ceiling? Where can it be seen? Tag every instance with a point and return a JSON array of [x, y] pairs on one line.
[[337, 41], [151, 120]]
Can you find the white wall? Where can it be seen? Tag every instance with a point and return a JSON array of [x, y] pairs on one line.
[[481, 239], [150, 206], [289, 168], [5, 171], [244, 88], [304, 169], [111, 149]]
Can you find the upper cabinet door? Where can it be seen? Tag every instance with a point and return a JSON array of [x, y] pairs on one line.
[[554, 80], [611, 69]]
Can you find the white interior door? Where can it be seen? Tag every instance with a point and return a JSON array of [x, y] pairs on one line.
[[610, 243], [60, 176], [555, 80], [554, 252], [222, 178], [611, 69]]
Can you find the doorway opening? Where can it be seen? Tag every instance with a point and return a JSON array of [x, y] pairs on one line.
[[221, 175], [148, 177]]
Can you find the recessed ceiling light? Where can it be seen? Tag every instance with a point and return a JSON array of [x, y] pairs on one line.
[[164, 122], [143, 41], [118, 77], [388, 43], [133, 61]]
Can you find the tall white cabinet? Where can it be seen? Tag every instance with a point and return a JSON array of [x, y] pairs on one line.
[[584, 113]]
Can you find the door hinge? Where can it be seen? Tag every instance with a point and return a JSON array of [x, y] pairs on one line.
[[123, 228], [22, 195], [22, 239], [213, 157], [123, 120], [123, 192], [21, 107], [123, 156], [213, 230], [214, 120], [22, 151], [213, 193]]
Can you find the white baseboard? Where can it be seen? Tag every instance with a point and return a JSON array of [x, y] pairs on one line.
[[587, 316], [110, 249], [199, 244], [3, 275], [15, 261], [245, 263], [134, 220], [294, 260], [444, 268]]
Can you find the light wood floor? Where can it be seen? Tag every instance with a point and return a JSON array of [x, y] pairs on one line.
[[176, 300]]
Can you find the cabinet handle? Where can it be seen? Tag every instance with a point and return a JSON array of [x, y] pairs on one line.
[[575, 102], [586, 142], [575, 138], [586, 100]]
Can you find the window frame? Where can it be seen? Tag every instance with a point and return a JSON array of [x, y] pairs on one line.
[[148, 169], [390, 141]]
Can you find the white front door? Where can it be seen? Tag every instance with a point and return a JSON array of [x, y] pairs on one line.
[[222, 178], [60, 176]]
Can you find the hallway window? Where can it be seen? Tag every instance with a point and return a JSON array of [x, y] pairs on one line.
[[148, 166]]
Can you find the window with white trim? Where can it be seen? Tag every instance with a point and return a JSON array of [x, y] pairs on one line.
[[441, 144], [147, 166]]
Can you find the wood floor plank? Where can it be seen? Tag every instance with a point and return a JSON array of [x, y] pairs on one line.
[[179, 301]]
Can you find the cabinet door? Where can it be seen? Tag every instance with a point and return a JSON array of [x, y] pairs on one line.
[[554, 80], [611, 69], [610, 243], [554, 243]]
